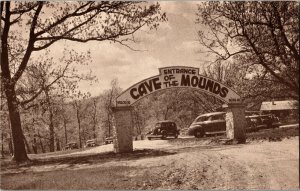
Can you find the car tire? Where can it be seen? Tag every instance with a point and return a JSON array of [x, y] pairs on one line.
[[164, 135], [255, 128], [199, 133], [149, 138]]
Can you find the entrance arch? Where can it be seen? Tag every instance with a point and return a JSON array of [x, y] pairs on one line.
[[176, 77]]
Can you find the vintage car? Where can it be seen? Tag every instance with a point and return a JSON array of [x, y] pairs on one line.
[[108, 140], [255, 123], [71, 146], [164, 129], [262, 121], [208, 123], [211, 123], [91, 143], [270, 120]]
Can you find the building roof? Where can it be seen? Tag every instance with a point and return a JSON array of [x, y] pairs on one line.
[[279, 105]]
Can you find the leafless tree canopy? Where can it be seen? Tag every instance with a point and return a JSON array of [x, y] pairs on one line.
[[261, 35], [28, 27]]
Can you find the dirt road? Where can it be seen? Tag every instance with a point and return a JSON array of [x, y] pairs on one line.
[[266, 165], [179, 164]]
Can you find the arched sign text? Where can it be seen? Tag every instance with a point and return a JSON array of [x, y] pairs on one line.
[[177, 77]]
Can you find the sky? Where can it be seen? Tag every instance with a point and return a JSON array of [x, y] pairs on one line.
[[174, 43]]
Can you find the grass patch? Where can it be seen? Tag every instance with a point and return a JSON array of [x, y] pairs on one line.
[[108, 178], [276, 134], [73, 177], [87, 159]]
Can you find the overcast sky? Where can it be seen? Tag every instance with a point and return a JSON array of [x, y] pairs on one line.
[[173, 44]]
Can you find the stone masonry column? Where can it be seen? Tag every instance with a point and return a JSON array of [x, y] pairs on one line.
[[236, 122], [123, 129]]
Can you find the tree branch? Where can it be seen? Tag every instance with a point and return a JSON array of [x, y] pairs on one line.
[[282, 32], [22, 11], [263, 63], [30, 45], [75, 13], [4, 43], [44, 87]]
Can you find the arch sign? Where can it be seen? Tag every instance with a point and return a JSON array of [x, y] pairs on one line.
[[177, 77]]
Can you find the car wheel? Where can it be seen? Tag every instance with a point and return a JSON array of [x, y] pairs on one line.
[[164, 135], [199, 133], [149, 138], [255, 128]]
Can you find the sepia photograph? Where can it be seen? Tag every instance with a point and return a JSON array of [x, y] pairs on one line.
[[149, 95]]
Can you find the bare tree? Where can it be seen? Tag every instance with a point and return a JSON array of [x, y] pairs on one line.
[[262, 35], [44, 25], [94, 120], [81, 112], [65, 116], [109, 99]]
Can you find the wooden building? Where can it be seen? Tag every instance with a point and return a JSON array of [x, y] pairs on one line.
[[287, 111]]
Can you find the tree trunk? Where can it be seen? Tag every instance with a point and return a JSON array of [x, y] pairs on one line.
[[109, 128], [94, 119], [166, 113], [34, 147], [79, 128], [94, 129], [41, 143], [51, 129], [51, 126], [27, 145], [83, 135], [10, 146], [19, 150], [2, 147], [65, 128], [57, 145], [195, 110]]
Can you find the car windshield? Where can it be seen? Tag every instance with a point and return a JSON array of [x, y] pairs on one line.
[[157, 125], [201, 119], [168, 125], [218, 117]]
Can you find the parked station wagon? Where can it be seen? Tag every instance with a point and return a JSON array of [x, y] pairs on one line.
[[215, 123], [208, 123]]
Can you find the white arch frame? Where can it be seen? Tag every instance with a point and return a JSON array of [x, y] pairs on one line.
[[177, 77]]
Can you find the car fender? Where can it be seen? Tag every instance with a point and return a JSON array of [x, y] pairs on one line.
[[192, 129]]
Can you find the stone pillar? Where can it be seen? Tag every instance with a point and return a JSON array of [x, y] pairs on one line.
[[236, 122], [123, 129]]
